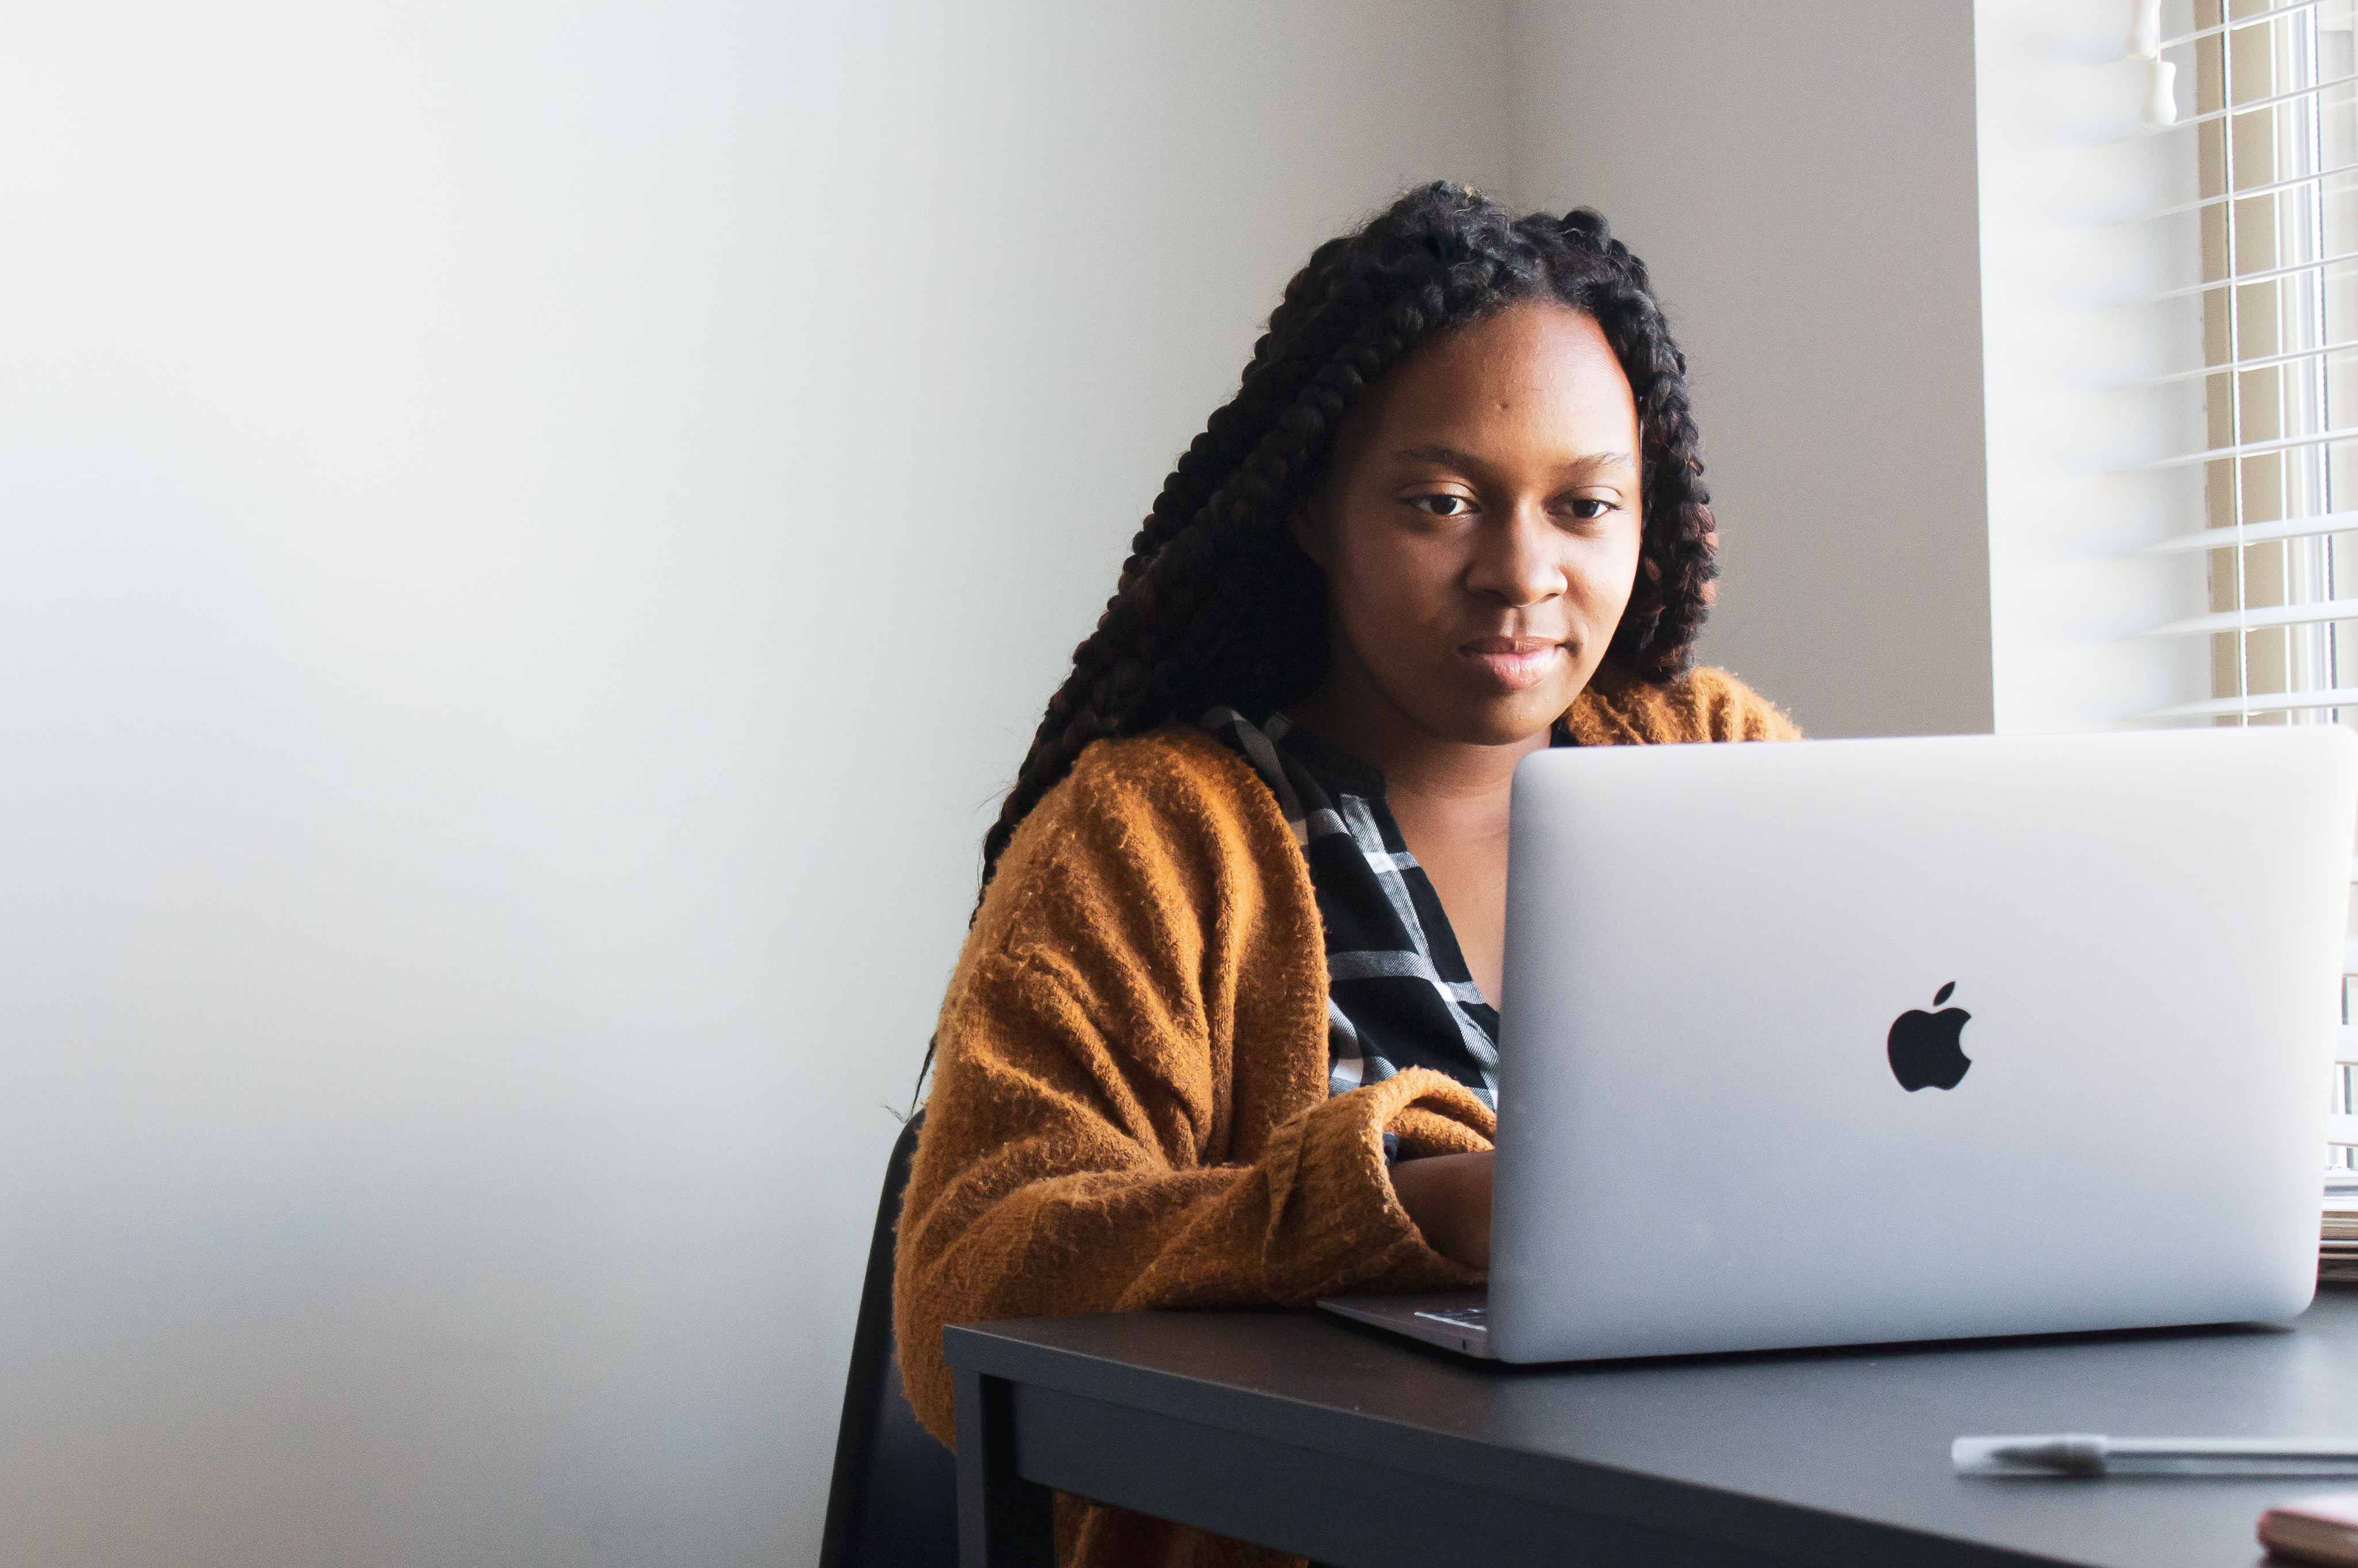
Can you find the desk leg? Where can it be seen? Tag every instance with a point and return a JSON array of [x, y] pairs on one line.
[[1004, 1520]]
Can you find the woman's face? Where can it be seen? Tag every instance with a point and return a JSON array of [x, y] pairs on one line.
[[1479, 528]]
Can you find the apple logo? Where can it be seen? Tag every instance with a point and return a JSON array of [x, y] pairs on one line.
[[1923, 1045]]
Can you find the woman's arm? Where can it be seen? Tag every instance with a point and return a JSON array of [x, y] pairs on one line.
[[1130, 1108], [1057, 1175]]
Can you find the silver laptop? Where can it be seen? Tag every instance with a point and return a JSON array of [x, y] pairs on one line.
[[1855, 1041]]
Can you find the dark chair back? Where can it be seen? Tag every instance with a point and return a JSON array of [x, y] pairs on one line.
[[895, 1498]]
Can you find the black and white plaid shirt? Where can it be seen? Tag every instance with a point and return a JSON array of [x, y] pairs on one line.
[[1399, 994]]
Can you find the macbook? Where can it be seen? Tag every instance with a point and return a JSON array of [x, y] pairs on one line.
[[1848, 1042]]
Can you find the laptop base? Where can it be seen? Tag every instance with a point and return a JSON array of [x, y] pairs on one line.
[[1454, 1320]]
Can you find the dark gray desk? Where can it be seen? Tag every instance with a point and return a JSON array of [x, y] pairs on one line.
[[1347, 1446]]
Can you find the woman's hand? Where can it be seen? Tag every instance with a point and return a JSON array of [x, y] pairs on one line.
[[1448, 1195]]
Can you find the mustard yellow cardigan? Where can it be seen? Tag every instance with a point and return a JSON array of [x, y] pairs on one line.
[[1129, 1106]]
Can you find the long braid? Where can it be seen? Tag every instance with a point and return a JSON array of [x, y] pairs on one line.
[[1216, 603], [1234, 426]]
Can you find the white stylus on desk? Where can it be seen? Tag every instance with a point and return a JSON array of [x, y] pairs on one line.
[[2092, 1454]]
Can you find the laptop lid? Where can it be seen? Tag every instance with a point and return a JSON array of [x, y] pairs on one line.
[[1843, 1042]]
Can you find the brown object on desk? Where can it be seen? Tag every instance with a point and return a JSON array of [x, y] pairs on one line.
[[2314, 1530], [2337, 1252]]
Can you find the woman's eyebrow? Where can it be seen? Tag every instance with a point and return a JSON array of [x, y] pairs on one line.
[[1450, 457]]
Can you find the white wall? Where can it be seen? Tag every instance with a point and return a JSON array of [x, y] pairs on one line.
[[1801, 179], [530, 537]]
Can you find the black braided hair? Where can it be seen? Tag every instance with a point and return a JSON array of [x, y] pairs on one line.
[[1217, 604]]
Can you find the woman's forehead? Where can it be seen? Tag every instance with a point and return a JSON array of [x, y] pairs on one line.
[[1535, 375]]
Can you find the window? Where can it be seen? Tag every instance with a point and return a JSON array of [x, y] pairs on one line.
[[2268, 491]]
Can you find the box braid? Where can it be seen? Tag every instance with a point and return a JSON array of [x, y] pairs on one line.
[[1217, 604]]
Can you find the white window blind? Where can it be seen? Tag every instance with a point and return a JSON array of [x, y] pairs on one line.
[[2262, 97]]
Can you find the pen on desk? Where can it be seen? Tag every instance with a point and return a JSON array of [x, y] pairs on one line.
[[2092, 1453]]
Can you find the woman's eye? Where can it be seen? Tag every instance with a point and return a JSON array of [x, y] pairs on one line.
[[1588, 508], [1442, 505]]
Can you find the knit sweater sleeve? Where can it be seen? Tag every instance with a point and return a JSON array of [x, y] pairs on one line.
[[1129, 1106]]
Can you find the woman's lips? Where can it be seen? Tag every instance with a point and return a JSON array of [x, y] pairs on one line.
[[1515, 662]]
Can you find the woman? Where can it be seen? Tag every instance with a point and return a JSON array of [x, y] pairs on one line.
[[1224, 1030]]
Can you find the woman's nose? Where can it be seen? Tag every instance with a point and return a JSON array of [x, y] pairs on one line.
[[1515, 561]]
